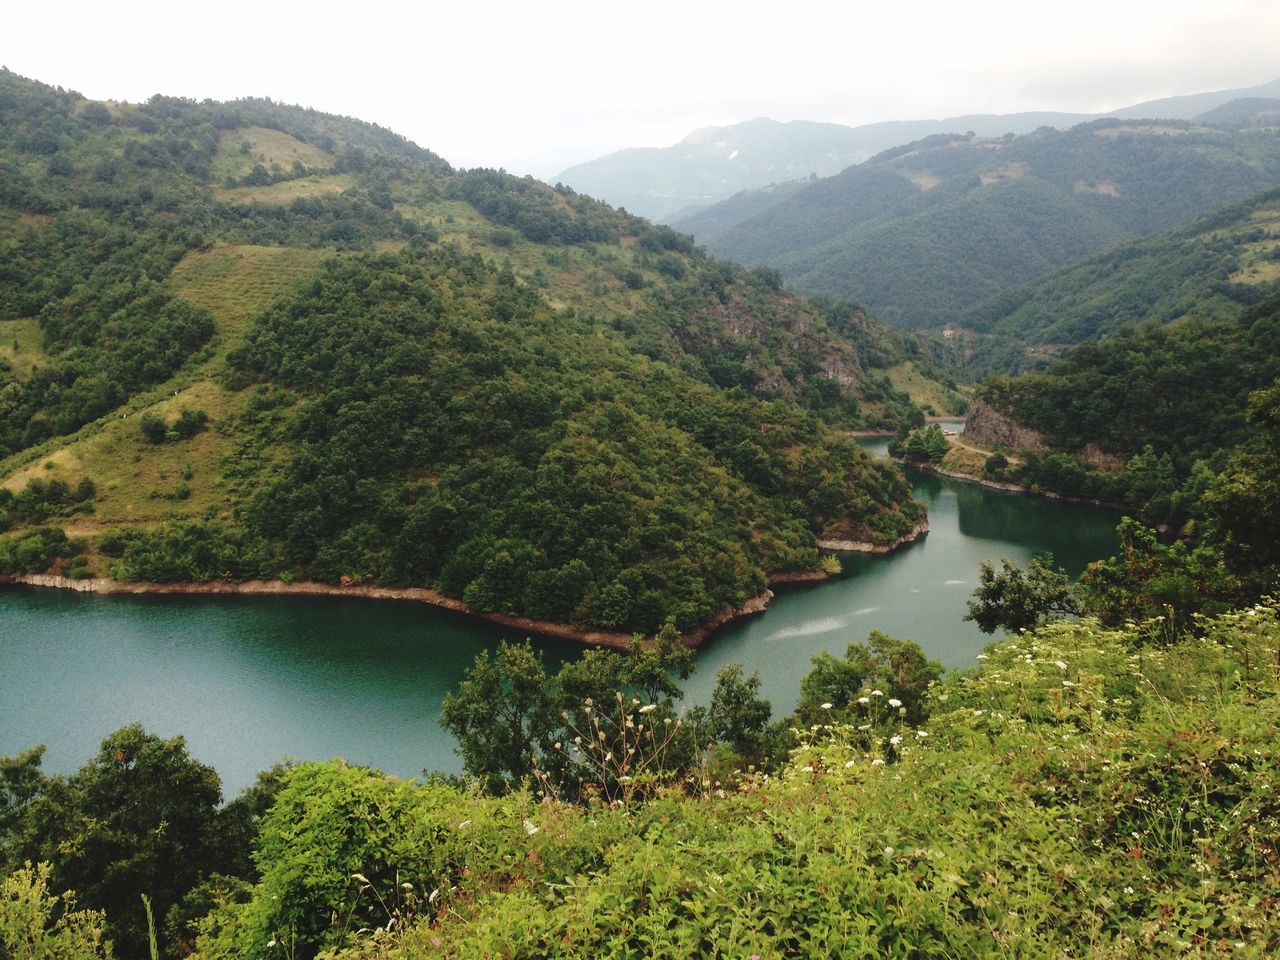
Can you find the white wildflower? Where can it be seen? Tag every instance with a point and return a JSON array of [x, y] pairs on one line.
[[877, 693], [895, 739], [826, 706], [895, 702], [877, 762], [648, 707], [864, 700], [921, 733], [1060, 665], [530, 827]]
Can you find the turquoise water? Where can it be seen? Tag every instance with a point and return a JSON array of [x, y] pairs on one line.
[[250, 680]]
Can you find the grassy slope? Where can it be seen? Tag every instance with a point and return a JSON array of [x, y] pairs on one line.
[[138, 482]]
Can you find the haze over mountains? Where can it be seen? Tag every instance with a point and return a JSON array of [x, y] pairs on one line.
[[711, 164], [924, 232]]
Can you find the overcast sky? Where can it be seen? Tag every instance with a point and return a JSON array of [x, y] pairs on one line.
[[535, 87]]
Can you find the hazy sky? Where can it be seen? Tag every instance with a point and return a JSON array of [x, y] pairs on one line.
[[536, 87]]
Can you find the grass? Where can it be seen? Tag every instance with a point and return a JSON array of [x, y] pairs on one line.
[[270, 148], [286, 191], [21, 345], [138, 482], [237, 282], [927, 393], [144, 484]]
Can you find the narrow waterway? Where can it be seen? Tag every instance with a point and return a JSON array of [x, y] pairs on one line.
[[249, 680]]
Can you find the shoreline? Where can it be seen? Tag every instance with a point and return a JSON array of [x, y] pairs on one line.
[[1014, 487], [614, 640]]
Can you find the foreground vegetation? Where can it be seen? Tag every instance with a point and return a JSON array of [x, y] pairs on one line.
[[1081, 793]]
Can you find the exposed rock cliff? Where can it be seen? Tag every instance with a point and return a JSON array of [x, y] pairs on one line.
[[988, 427]]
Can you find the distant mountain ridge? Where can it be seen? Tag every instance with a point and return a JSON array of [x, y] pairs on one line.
[[713, 163], [923, 233]]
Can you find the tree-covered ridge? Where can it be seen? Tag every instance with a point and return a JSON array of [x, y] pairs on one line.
[[1170, 401], [922, 233], [1205, 270], [527, 399], [455, 431]]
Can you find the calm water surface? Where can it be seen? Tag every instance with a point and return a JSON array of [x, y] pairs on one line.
[[250, 680]]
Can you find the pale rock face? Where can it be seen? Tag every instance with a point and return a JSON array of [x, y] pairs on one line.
[[988, 427]]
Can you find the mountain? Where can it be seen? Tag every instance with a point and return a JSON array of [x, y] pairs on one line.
[[245, 340], [713, 163], [673, 183], [922, 233], [1205, 270], [1246, 110]]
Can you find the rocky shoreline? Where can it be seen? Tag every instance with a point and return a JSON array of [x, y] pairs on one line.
[[545, 628], [861, 546]]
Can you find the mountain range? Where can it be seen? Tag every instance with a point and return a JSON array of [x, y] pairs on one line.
[[670, 183]]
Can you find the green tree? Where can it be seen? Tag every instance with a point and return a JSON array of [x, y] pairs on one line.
[[1016, 600], [154, 428], [21, 781], [137, 818], [898, 669], [501, 713], [739, 717]]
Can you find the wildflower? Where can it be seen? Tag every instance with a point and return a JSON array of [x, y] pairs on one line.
[[530, 827], [1060, 665], [877, 693], [895, 739], [864, 700], [849, 763], [877, 762], [865, 726], [888, 851], [826, 706], [806, 769], [648, 707], [982, 656], [1067, 683], [271, 942], [921, 734], [895, 702]]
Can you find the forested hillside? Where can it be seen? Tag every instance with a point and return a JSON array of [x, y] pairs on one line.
[[1205, 270], [923, 233], [247, 340], [1174, 404]]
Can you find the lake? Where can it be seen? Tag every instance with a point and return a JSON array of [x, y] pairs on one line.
[[250, 680]]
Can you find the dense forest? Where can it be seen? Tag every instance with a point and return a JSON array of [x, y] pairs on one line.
[[923, 233], [246, 340], [1149, 418], [1206, 270]]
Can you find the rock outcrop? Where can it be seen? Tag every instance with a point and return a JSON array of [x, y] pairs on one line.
[[988, 427]]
